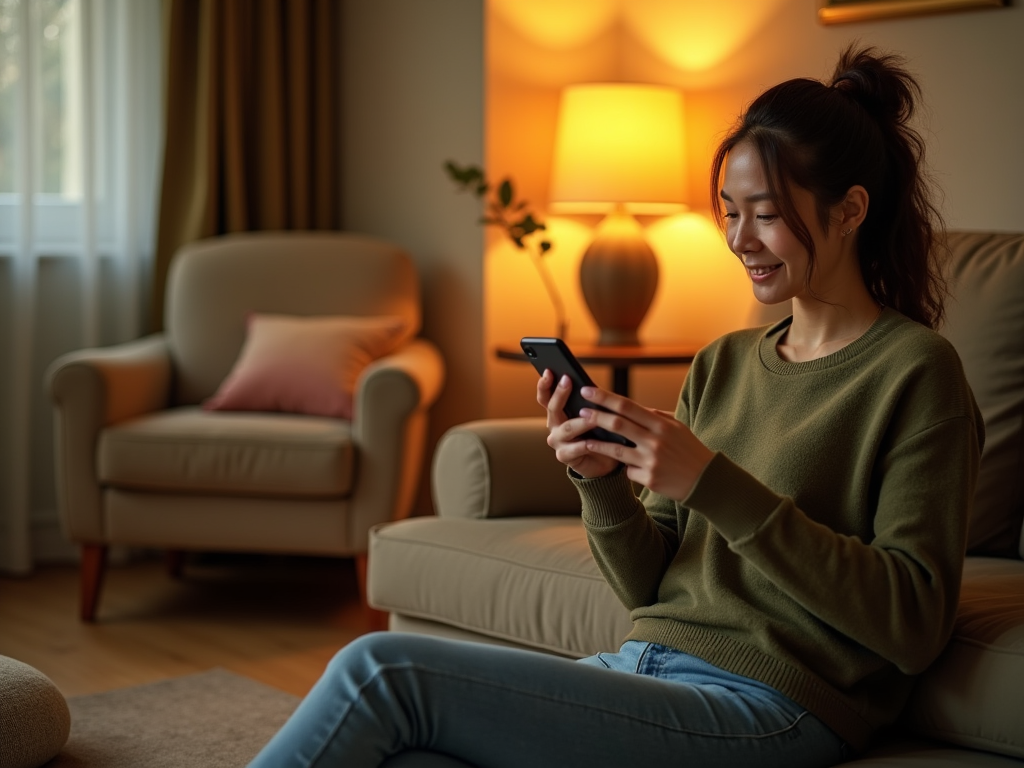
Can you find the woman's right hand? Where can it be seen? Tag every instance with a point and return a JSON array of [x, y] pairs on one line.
[[563, 431]]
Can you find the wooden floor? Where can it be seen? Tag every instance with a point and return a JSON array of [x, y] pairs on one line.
[[273, 619]]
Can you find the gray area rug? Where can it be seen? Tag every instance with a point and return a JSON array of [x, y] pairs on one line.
[[213, 719]]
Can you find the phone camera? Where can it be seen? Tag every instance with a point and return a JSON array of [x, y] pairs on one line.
[[530, 351]]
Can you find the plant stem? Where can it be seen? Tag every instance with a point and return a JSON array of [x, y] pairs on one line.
[[561, 326]]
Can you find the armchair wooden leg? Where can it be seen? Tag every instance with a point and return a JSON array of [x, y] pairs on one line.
[[93, 568], [175, 561], [377, 620]]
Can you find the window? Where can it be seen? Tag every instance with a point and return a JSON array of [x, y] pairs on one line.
[[79, 121]]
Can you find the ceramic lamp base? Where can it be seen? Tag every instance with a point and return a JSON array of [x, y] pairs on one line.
[[619, 277]]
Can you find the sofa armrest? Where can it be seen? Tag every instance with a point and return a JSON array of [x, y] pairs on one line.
[[389, 425], [500, 468], [92, 389]]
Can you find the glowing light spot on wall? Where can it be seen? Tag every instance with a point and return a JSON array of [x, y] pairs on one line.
[[517, 304], [558, 24], [703, 292], [695, 35]]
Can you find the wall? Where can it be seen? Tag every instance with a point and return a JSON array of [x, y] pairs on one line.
[[721, 55], [413, 98]]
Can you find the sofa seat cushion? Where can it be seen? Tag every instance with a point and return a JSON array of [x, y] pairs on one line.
[[189, 450], [971, 696], [531, 581]]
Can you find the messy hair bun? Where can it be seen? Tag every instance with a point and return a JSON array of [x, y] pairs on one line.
[[878, 83], [853, 130]]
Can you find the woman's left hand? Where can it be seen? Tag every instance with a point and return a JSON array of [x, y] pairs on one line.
[[668, 457]]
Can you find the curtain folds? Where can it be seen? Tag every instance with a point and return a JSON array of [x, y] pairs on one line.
[[252, 121], [80, 122]]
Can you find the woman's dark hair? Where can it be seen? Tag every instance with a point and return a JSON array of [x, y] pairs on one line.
[[826, 138]]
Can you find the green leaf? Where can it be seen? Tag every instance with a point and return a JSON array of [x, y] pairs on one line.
[[464, 176], [505, 193], [502, 209], [528, 224]]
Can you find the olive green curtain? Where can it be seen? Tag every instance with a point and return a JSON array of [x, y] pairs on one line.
[[251, 137]]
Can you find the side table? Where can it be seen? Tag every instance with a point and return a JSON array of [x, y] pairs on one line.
[[620, 359]]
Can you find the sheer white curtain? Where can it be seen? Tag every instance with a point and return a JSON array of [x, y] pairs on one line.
[[80, 140]]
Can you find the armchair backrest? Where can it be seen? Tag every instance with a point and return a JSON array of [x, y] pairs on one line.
[[214, 284]]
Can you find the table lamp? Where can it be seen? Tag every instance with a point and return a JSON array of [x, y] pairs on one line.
[[619, 150]]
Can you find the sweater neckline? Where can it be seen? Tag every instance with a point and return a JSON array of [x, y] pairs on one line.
[[770, 358]]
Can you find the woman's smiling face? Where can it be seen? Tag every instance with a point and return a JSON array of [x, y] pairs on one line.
[[776, 261]]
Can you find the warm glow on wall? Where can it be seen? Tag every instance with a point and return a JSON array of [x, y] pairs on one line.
[[703, 292], [696, 35], [516, 297], [558, 24]]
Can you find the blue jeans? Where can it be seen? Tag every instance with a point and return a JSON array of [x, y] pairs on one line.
[[492, 707]]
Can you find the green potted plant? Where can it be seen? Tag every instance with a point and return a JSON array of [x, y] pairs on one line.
[[517, 221]]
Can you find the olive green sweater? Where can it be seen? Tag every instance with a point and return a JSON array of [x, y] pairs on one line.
[[821, 550]]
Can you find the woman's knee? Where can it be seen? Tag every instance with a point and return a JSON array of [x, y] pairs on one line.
[[371, 652]]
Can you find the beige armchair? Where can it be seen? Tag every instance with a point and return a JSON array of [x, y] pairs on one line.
[[141, 463]]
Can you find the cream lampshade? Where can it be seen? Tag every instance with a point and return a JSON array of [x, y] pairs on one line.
[[619, 150]]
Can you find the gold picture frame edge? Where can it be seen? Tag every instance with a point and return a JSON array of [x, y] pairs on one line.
[[889, 9]]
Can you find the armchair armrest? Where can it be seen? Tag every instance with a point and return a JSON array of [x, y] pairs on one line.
[[92, 389], [389, 425], [500, 468]]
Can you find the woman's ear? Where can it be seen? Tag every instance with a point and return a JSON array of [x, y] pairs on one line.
[[851, 212]]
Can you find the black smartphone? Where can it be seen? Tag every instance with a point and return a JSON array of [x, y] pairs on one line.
[[554, 354]]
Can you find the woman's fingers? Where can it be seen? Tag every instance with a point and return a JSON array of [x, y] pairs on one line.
[[562, 427], [563, 431], [668, 458], [544, 387], [556, 403], [629, 410], [552, 396]]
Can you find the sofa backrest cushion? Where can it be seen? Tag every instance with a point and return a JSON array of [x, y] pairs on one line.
[[985, 322], [215, 284]]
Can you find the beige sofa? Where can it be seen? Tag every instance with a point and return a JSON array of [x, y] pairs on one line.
[[506, 560]]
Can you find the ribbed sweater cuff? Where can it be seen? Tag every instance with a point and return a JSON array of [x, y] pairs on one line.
[[608, 500], [732, 499]]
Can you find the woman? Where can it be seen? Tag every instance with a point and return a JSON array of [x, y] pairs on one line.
[[795, 556]]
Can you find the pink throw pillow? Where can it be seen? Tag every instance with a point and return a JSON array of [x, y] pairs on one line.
[[305, 365]]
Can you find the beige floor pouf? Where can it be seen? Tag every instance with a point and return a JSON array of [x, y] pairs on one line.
[[34, 718]]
